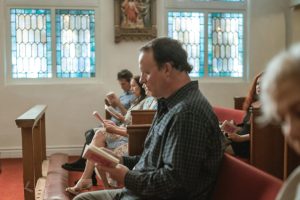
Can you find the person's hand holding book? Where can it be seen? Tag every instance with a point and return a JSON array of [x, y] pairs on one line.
[[101, 156], [113, 99], [115, 113], [97, 116], [117, 173], [231, 131], [110, 128]]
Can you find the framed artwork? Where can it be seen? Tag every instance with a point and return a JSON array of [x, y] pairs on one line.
[[135, 20]]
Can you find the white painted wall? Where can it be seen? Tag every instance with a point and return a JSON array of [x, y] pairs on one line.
[[70, 105]]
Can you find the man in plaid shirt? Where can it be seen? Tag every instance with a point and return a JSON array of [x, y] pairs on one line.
[[184, 147]]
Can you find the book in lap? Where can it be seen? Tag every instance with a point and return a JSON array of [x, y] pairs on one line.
[[228, 127], [100, 156]]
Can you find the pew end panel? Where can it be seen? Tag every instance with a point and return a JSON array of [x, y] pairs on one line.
[[42, 179], [291, 160], [239, 102], [32, 124], [136, 138], [266, 146]]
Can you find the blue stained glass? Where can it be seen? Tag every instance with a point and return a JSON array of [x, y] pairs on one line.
[[75, 41], [24, 26], [188, 27], [233, 41]]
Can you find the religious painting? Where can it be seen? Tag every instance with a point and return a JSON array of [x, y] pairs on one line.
[[135, 20]]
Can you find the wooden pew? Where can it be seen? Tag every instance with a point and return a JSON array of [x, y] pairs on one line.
[[32, 124], [107, 114], [266, 146], [237, 180], [42, 179], [269, 150], [239, 102], [137, 134], [141, 123], [142, 116]]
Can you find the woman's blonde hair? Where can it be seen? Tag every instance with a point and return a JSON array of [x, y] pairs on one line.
[[283, 67]]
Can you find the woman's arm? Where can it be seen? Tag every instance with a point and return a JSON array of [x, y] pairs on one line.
[[238, 138], [117, 130]]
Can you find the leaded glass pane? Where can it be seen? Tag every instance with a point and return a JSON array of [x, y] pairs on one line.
[[75, 42], [31, 43], [225, 44], [188, 27]]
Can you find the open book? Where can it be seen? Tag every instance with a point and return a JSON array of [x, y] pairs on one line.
[[112, 111], [228, 127], [97, 115], [100, 155]]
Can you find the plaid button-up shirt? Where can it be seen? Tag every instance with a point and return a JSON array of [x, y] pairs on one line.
[[182, 152]]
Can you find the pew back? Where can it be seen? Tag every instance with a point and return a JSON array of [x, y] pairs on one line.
[[239, 180], [229, 114], [269, 150], [142, 116]]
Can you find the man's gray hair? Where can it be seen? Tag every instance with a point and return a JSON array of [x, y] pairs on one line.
[[284, 66]]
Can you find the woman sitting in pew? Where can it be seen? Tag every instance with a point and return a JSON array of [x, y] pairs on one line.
[[113, 137], [281, 103], [239, 135]]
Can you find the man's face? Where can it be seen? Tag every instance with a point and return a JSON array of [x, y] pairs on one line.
[[151, 76], [125, 85], [287, 99]]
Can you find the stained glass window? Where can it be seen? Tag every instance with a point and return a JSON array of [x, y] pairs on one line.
[[213, 34], [188, 27], [30, 43], [75, 43], [225, 44]]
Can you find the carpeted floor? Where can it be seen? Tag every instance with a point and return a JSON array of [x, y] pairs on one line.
[[11, 179]]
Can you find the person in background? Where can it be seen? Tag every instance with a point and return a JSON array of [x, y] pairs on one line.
[[126, 98], [240, 138], [150, 102], [280, 100], [184, 147], [113, 138]]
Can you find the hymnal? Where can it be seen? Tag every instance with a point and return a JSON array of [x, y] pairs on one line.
[[112, 111], [97, 115], [100, 155]]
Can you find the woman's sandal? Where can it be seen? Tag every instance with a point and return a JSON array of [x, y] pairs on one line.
[[82, 184]]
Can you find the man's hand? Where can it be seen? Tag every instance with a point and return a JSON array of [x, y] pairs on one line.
[[117, 173]]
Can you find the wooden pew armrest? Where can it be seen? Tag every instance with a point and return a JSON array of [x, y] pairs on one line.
[[142, 116]]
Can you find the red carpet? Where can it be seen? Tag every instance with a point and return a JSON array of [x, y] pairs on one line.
[[11, 179]]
